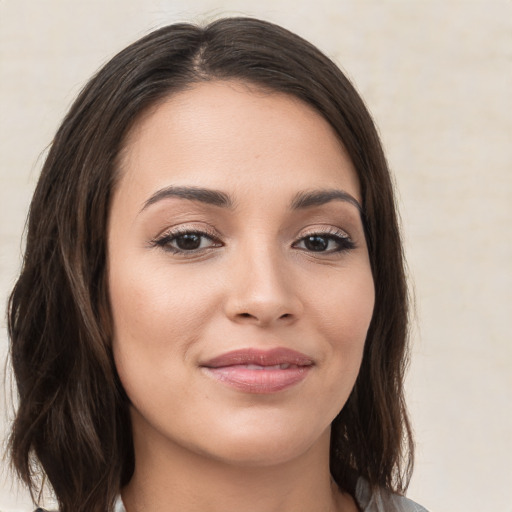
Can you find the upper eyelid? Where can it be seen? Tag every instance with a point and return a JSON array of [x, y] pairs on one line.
[[327, 230], [176, 231], [179, 230], [199, 227]]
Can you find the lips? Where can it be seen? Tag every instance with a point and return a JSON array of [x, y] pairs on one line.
[[259, 371]]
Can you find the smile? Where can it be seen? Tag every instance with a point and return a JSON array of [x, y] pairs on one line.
[[259, 371]]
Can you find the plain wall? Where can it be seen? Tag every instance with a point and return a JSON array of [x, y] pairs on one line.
[[437, 76]]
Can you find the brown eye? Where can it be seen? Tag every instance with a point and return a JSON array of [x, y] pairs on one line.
[[188, 242], [326, 243], [316, 243]]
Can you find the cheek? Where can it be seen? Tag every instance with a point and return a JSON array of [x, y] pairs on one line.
[[344, 313], [153, 300], [344, 304], [157, 318]]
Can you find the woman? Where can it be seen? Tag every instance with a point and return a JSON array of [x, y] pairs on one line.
[[212, 311]]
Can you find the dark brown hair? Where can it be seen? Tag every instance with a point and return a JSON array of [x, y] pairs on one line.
[[73, 419]]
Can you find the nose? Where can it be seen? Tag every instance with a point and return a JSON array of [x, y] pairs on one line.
[[261, 290]]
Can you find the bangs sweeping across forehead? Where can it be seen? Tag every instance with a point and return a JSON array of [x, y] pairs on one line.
[[73, 417]]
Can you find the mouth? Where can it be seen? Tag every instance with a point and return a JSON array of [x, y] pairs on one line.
[[259, 371]]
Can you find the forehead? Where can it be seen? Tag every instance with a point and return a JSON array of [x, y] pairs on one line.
[[234, 136]]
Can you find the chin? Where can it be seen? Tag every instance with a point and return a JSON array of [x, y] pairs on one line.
[[263, 443], [259, 452]]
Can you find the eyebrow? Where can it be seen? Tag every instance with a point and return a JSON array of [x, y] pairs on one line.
[[301, 200], [203, 195], [308, 199]]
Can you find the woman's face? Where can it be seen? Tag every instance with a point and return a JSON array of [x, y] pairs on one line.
[[239, 278]]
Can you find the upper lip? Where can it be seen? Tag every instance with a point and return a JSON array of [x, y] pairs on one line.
[[259, 357]]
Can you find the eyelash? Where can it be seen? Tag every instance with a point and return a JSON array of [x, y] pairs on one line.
[[165, 240], [343, 241]]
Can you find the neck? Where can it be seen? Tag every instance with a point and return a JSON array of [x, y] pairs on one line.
[[169, 477]]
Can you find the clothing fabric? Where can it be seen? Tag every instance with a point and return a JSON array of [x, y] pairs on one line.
[[380, 501], [383, 501]]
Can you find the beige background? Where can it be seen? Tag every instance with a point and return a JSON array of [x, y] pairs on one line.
[[437, 76]]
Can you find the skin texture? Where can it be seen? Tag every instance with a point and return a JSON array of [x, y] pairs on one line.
[[201, 444]]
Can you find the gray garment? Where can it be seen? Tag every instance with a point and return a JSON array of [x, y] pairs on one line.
[[383, 501], [380, 501]]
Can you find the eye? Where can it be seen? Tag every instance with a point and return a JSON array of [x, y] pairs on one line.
[[186, 241], [325, 242]]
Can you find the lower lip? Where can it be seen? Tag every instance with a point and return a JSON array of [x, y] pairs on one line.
[[258, 381]]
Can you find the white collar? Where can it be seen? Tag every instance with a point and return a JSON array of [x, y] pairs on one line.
[[119, 505]]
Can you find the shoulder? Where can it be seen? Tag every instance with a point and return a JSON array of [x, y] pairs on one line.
[[383, 500]]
